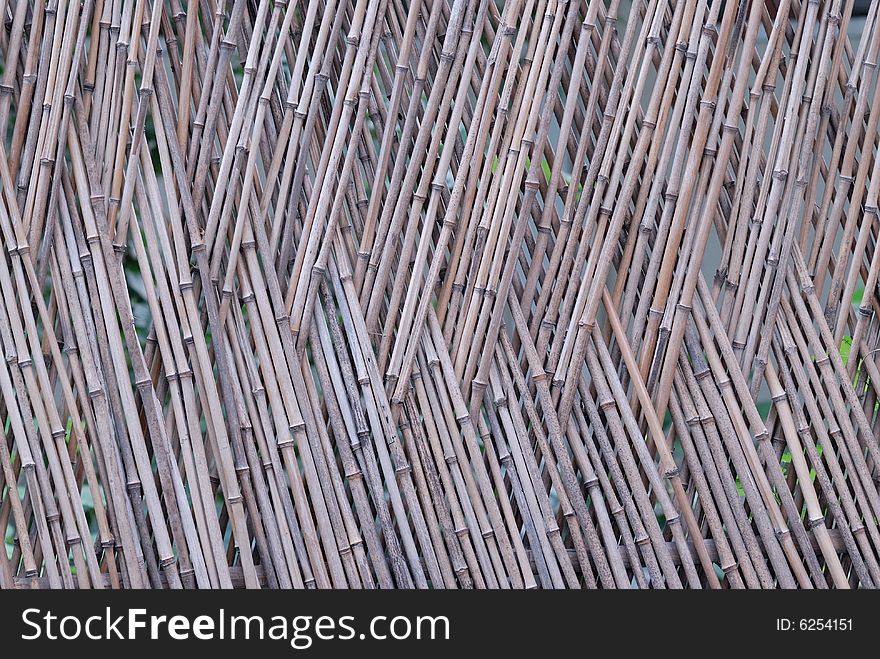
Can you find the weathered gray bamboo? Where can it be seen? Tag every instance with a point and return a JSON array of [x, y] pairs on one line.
[[448, 294]]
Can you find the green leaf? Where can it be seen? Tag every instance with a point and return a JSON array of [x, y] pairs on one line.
[[845, 347]]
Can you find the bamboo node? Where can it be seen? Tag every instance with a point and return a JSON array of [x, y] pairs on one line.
[[671, 472], [783, 533], [816, 521], [143, 384]]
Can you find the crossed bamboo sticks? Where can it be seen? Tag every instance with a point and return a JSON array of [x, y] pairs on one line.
[[460, 294]]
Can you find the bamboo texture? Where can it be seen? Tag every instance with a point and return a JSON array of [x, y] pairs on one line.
[[439, 293]]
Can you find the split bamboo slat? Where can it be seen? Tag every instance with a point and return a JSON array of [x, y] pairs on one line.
[[440, 294]]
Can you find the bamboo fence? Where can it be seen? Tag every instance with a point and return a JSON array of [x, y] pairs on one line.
[[439, 293]]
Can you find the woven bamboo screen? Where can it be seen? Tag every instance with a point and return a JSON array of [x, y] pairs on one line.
[[439, 293]]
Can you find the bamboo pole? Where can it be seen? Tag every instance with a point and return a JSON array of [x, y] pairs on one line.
[[459, 294]]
